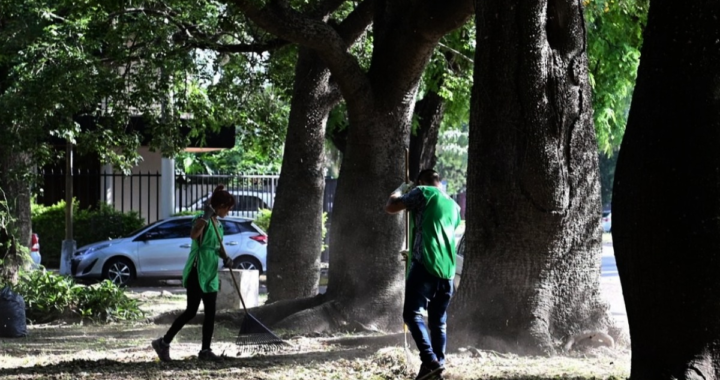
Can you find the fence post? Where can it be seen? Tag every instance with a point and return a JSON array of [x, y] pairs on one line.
[[167, 196]]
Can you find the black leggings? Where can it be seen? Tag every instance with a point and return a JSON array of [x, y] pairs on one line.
[[194, 296]]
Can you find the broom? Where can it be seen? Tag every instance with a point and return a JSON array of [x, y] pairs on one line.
[[253, 336]]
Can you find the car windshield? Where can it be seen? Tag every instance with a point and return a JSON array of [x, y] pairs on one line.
[[141, 229]]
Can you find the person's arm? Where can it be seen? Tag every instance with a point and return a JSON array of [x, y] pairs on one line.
[[395, 203], [400, 201], [203, 221], [198, 228]]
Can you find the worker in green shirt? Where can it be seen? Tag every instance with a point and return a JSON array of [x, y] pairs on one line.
[[434, 216], [200, 276]]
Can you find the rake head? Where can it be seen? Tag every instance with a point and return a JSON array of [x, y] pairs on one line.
[[254, 337]]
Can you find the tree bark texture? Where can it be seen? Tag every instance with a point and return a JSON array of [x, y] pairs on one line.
[[423, 143], [15, 185], [666, 199], [295, 234], [365, 275], [531, 277]]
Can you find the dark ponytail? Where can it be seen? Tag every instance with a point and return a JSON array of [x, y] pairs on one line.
[[221, 198]]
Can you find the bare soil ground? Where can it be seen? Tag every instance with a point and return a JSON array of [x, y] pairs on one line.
[[122, 351]]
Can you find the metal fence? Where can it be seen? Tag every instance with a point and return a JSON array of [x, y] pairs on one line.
[[251, 192], [135, 192]]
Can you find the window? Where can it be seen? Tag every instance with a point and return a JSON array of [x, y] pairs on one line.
[[174, 229], [248, 203], [232, 228]]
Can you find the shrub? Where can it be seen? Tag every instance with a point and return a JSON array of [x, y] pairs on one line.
[[49, 296], [106, 302], [263, 221], [90, 225]]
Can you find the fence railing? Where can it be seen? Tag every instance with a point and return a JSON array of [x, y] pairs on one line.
[[136, 192], [251, 192], [141, 192]]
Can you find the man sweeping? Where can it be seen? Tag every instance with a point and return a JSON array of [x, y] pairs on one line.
[[434, 217]]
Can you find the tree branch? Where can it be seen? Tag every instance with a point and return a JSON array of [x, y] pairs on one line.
[[444, 16], [314, 34], [260, 47], [357, 22]]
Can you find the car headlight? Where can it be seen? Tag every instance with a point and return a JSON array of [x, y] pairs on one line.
[[90, 250]]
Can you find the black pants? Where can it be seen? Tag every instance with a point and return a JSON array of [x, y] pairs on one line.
[[194, 296]]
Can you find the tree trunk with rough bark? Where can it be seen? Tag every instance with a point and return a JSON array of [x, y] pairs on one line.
[[423, 143], [533, 224], [15, 185], [666, 199], [365, 275], [295, 234]]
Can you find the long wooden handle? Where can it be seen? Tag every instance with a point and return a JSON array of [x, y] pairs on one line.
[[232, 275], [407, 214]]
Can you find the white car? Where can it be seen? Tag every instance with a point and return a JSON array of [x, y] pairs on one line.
[[160, 250], [607, 221], [247, 203]]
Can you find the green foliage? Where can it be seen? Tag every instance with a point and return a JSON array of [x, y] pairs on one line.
[[263, 221], [614, 37], [452, 153], [607, 176], [49, 296], [11, 253], [90, 225], [259, 143], [184, 213]]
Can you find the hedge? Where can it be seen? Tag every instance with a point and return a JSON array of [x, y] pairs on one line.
[[90, 225]]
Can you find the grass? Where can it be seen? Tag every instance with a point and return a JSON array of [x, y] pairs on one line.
[[122, 352]]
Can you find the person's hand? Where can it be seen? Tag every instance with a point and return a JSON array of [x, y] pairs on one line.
[[228, 262], [404, 188], [208, 211], [404, 255]]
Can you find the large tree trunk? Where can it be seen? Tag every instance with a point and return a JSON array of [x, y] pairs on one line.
[[666, 200], [533, 191], [15, 178], [423, 142], [295, 231], [365, 274]]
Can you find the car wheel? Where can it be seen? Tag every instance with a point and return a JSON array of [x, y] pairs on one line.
[[120, 271], [247, 262]]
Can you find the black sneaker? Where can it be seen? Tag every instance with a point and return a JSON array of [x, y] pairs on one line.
[[162, 349], [430, 371], [209, 356]]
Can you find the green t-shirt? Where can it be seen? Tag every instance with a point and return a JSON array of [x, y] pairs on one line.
[[434, 217], [207, 255]]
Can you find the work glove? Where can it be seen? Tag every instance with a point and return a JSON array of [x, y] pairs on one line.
[[208, 211], [404, 188], [228, 262]]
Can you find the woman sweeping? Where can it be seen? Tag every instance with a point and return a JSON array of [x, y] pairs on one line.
[[200, 276]]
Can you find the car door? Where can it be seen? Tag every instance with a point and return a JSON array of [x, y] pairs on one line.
[[163, 250], [232, 240]]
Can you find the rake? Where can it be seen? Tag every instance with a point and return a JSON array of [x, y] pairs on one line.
[[253, 337]]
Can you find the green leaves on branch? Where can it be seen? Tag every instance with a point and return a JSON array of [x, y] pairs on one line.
[[614, 39]]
